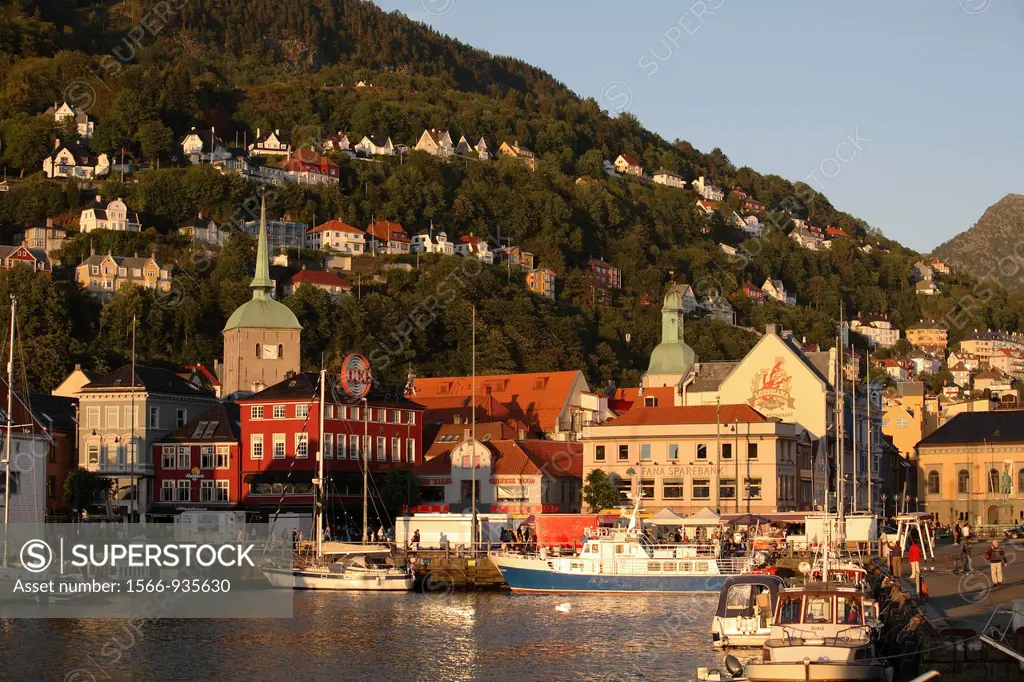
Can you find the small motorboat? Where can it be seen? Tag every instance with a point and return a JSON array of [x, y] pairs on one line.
[[746, 610]]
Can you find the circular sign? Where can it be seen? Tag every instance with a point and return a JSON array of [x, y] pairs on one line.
[[355, 376]]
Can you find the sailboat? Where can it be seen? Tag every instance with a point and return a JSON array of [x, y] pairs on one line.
[[336, 565]]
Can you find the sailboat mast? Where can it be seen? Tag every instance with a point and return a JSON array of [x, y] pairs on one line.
[[856, 482], [318, 508], [472, 531], [867, 395], [366, 463], [10, 422]]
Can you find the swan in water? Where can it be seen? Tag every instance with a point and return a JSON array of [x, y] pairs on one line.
[[563, 607]]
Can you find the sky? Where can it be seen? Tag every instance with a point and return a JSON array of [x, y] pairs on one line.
[[902, 113]]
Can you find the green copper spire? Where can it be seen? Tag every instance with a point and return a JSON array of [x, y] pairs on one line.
[[261, 284], [672, 355]]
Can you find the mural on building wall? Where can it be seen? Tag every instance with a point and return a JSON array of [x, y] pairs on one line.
[[770, 388]]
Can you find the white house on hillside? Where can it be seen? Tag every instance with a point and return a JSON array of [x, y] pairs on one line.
[[203, 146], [468, 145], [65, 112], [436, 142], [113, 215], [376, 145], [707, 190], [269, 144], [669, 179], [336, 236], [777, 290], [468, 245], [75, 161], [628, 165], [428, 242]]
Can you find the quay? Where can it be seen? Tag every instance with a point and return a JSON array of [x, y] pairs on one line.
[[445, 570]]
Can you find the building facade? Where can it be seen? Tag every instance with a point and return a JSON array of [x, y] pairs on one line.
[[338, 237], [103, 276], [113, 215], [542, 282], [929, 336]]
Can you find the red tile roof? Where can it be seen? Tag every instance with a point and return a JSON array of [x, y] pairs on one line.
[[385, 230], [695, 414], [629, 159], [535, 399], [319, 277], [335, 226], [519, 458], [625, 399], [835, 232]]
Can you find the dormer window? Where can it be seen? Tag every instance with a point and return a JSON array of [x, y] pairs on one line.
[[650, 401]]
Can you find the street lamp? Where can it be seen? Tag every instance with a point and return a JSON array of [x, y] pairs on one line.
[[884, 498]]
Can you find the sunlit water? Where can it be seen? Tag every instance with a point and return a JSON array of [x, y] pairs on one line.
[[366, 636]]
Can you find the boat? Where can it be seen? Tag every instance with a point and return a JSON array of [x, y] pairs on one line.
[[746, 611], [336, 565], [617, 560]]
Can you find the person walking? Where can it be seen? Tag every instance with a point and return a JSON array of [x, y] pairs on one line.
[[914, 556], [896, 560], [965, 552], [956, 533], [996, 558]]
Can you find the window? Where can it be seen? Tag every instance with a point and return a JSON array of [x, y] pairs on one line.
[[94, 453], [963, 482], [727, 489], [223, 457], [182, 417], [410, 450], [379, 415], [410, 418], [184, 458], [396, 449], [327, 447], [111, 418], [354, 447], [885, 422], [256, 412], [167, 457], [933, 482], [1020, 481], [381, 448], [902, 423], [623, 453], [512, 493], [393, 416], [256, 446], [645, 451], [167, 491], [849, 611], [278, 411], [279, 451], [672, 488], [259, 351], [650, 401], [154, 417], [789, 611], [184, 491], [818, 610], [702, 451], [206, 453], [701, 489], [598, 453], [752, 451], [93, 417], [673, 451], [647, 488], [753, 488], [223, 488], [341, 445], [206, 491], [726, 450], [302, 445], [302, 411]]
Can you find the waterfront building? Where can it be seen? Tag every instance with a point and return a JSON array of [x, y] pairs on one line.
[[972, 469], [31, 447], [163, 402], [196, 466], [512, 476], [261, 338], [281, 439], [58, 417], [681, 458]]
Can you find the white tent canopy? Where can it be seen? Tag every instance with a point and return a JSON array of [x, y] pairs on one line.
[[666, 517], [705, 517]]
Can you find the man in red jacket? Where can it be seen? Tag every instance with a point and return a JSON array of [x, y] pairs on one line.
[[914, 557]]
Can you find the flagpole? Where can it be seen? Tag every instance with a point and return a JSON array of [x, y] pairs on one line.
[[131, 446], [472, 532]]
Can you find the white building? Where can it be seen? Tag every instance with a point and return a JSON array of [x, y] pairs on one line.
[[75, 161], [879, 330], [775, 289], [338, 237], [113, 215], [707, 190], [468, 245], [468, 145], [669, 179], [428, 242], [376, 145], [436, 142], [269, 144], [203, 146], [65, 112]]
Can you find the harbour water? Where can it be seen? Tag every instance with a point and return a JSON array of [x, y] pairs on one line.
[[372, 636]]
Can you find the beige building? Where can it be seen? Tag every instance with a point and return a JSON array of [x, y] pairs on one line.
[[683, 459], [261, 338], [103, 276], [972, 468]]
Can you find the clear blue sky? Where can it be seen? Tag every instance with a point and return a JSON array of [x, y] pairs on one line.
[[933, 84]]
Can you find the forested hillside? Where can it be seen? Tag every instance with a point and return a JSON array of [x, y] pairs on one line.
[[243, 65]]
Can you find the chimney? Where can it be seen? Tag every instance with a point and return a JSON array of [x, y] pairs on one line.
[[78, 368], [277, 131], [257, 133], [99, 198], [771, 329], [56, 143], [49, 222]]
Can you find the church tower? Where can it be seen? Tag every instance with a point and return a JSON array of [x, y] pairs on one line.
[[672, 360], [262, 337]]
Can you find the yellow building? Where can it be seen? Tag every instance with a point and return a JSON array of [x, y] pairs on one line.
[[541, 282], [972, 468], [683, 459], [102, 276], [929, 336]]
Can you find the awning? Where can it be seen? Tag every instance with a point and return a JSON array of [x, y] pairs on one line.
[[705, 517], [666, 517], [279, 477], [745, 519]]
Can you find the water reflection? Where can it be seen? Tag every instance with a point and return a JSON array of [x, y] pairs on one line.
[[370, 636]]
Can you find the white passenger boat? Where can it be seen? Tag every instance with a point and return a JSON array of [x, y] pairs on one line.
[[746, 611], [621, 560]]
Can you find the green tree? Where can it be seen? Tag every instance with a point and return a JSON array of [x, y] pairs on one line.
[[398, 489], [156, 140], [82, 488], [599, 492], [26, 143]]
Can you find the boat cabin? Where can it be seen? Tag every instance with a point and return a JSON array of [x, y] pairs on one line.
[[829, 614], [750, 596]]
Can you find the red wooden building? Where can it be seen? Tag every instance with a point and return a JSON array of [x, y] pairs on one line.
[[197, 465], [281, 433]]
